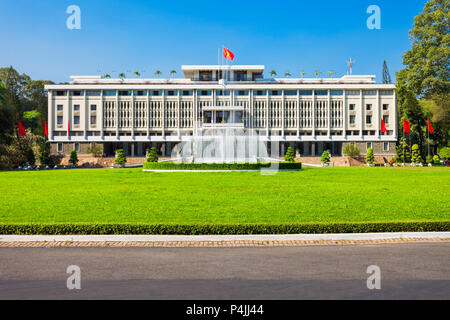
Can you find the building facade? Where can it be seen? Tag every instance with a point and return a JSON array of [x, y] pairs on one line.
[[311, 115]]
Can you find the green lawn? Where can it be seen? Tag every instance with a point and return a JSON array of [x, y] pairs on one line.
[[312, 195]]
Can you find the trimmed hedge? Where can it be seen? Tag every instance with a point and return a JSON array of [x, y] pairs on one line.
[[222, 229], [218, 166]]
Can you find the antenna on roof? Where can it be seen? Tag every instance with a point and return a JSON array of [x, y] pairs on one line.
[[350, 64], [386, 75]]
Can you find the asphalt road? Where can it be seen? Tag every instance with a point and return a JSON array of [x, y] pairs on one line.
[[408, 271]]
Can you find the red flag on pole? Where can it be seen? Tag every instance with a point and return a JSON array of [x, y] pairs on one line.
[[68, 129], [383, 126], [22, 131], [45, 129], [406, 126], [227, 54], [430, 127]]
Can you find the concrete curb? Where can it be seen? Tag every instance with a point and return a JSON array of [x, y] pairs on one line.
[[229, 238]]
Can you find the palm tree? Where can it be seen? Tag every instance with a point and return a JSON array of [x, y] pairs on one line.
[[173, 73], [121, 75], [107, 76], [158, 73], [287, 74], [302, 73], [331, 73], [317, 73], [273, 73], [137, 73]]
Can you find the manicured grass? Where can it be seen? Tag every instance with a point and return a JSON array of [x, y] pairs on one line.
[[312, 195]]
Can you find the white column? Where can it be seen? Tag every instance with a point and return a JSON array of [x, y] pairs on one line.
[[313, 109], [282, 114], [50, 115], [101, 115], [344, 113], [132, 114], [378, 116], [329, 114]]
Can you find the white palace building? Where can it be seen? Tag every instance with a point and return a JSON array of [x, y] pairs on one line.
[[311, 115]]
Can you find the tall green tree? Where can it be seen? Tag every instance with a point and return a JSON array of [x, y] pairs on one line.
[[427, 73]]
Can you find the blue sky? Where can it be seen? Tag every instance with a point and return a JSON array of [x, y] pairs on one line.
[[127, 36]]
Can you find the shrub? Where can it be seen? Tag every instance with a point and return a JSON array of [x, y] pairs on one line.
[[31, 159], [429, 158], [152, 155], [325, 158], [95, 149], [218, 166], [436, 159], [416, 157], [351, 150], [73, 157], [121, 159], [223, 229], [444, 153], [45, 158], [403, 150], [290, 155], [369, 156]]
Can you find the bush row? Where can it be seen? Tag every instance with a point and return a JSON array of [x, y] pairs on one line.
[[218, 166], [222, 229]]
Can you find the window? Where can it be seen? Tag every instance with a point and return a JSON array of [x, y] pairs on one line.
[[257, 75], [336, 92], [140, 93], [369, 145], [171, 93], [77, 147], [124, 93], [207, 117], [76, 120], [321, 92], [290, 92], [93, 107], [386, 119], [306, 92], [368, 107], [241, 92], [93, 93], [370, 93], [351, 107], [386, 92], [109, 93], [77, 93], [275, 93], [93, 120], [204, 92], [186, 93], [60, 93], [60, 147], [76, 107], [385, 107], [369, 119], [222, 92], [386, 146], [259, 92], [60, 120], [352, 119], [59, 107], [155, 93]]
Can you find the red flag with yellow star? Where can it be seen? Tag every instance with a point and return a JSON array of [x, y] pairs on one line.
[[227, 54]]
